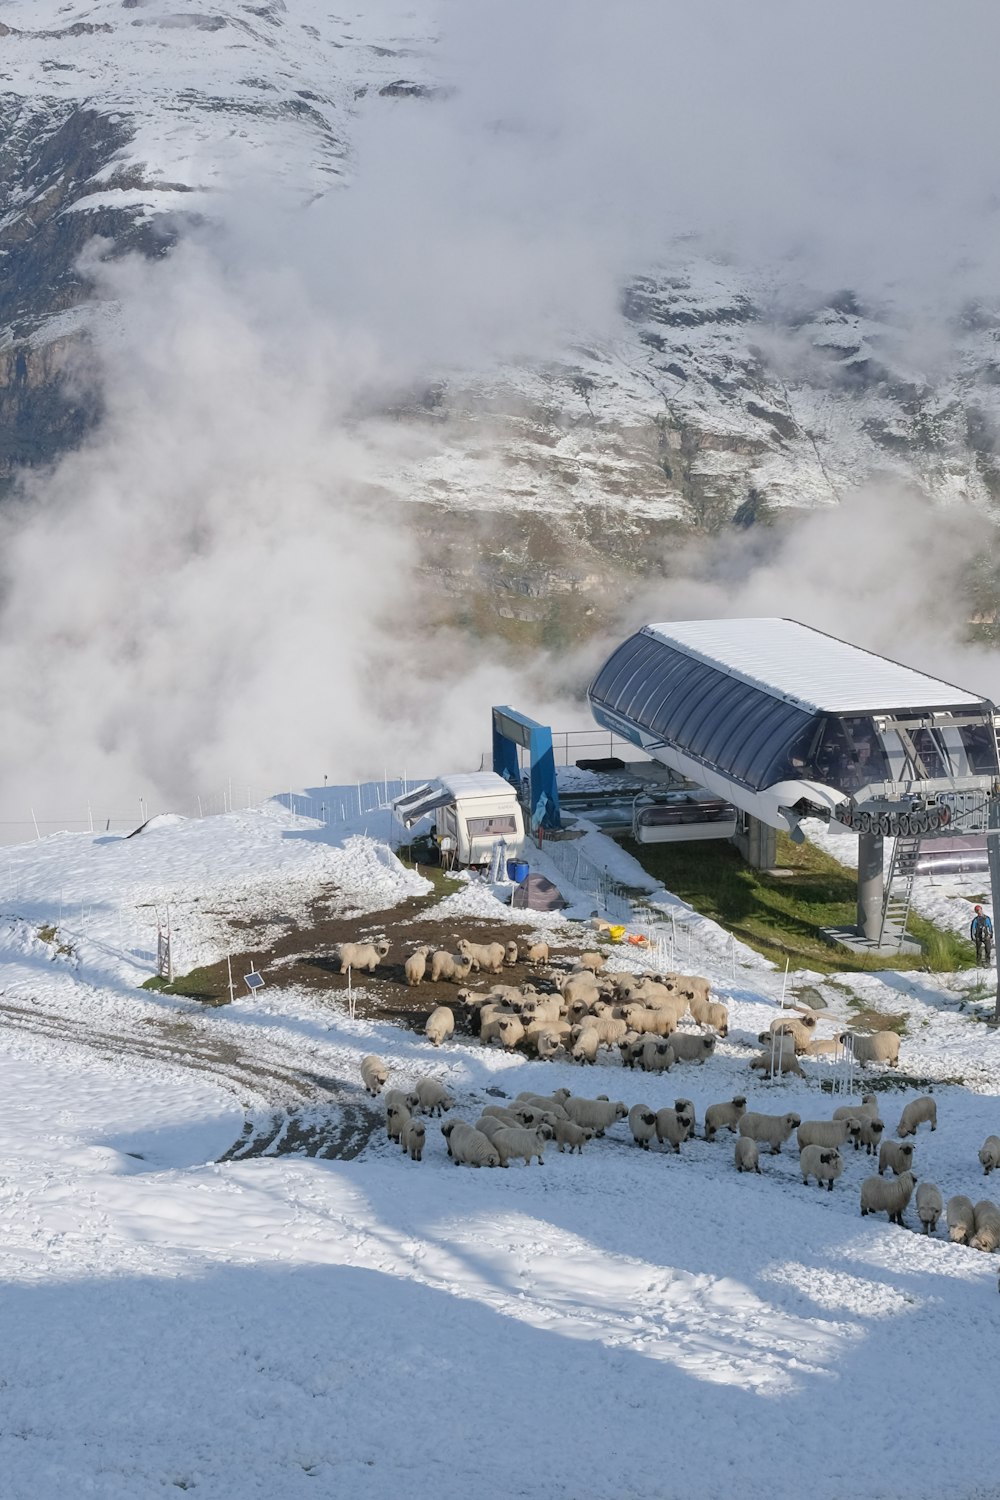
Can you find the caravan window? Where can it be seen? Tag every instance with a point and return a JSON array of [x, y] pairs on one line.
[[492, 827]]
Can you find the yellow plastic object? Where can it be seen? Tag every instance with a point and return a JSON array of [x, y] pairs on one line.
[[616, 934]]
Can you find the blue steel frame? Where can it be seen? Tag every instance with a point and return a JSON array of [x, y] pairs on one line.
[[511, 729]]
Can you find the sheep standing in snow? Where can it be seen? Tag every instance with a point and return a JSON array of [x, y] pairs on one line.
[[989, 1154], [406, 1097], [774, 1130], [374, 1074], [881, 1197], [642, 1123], [689, 1048], [880, 1047], [917, 1112], [825, 1163], [522, 1143], [454, 967], [895, 1155], [930, 1206], [397, 1117], [599, 1114], [871, 1135], [868, 1106], [987, 1235], [432, 1095], [630, 1048], [412, 1139], [673, 1127], [591, 960], [487, 957], [686, 1107], [828, 1132], [724, 1116], [801, 1029], [550, 1103], [778, 1062], [415, 966], [361, 955], [571, 1135], [747, 1156], [470, 1148], [655, 1055], [716, 1016], [586, 1044], [546, 1041], [440, 1025], [961, 1218], [507, 1030]]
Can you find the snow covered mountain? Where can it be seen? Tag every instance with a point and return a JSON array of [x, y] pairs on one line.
[[724, 393]]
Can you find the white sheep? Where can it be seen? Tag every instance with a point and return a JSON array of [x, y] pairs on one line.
[[630, 1048], [987, 1235], [535, 953], [871, 1134], [470, 1148], [502, 1113], [440, 1025], [415, 966], [774, 1130], [828, 1132], [724, 1116], [397, 1116], [412, 1139], [930, 1206], [573, 1136], [488, 1125], [825, 1163], [361, 955], [822, 1047], [961, 1217], [582, 986], [655, 1055], [747, 1156], [779, 1062], [531, 1116], [868, 1106], [548, 1102], [989, 1154], [586, 1044], [454, 967], [896, 1156], [881, 1197], [715, 1015], [689, 1048], [599, 1114], [674, 1127], [642, 1123], [487, 957], [507, 1030], [510, 953], [647, 1022], [880, 1047], [692, 988], [374, 1074], [546, 1041], [433, 1096], [591, 960], [686, 1107], [407, 1098], [802, 1029], [522, 1143], [916, 1113]]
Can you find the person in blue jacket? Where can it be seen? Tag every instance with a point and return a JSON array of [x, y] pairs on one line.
[[981, 933]]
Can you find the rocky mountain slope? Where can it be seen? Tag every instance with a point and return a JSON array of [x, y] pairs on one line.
[[724, 395]]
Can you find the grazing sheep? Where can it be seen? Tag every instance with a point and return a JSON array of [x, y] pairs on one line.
[[642, 1123], [780, 1061], [455, 967], [510, 954], [647, 1022], [871, 1135], [396, 1117], [551, 1105], [655, 1055], [502, 1113], [487, 957], [361, 955], [915, 1113], [433, 1096], [825, 1163], [822, 1046], [987, 1235], [715, 1015], [828, 1132], [488, 1125], [689, 1048], [546, 1041], [508, 1032], [412, 1139], [880, 1047], [470, 1148], [531, 1116], [895, 1155], [415, 966], [591, 960], [772, 1129], [599, 1114], [673, 1126], [582, 986], [586, 1044], [724, 1116], [693, 988], [961, 1217], [989, 1154], [930, 1206], [573, 1136], [868, 1106], [747, 1157], [374, 1074], [522, 1143], [447, 1128], [801, 1029], [535, 953], [881, 1197], [440, 1025]]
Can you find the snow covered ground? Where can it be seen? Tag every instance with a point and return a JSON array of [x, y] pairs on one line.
[[614, 1324]]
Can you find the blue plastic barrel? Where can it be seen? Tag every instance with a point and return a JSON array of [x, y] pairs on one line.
[[517, 870]]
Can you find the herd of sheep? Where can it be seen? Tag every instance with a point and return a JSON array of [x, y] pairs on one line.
[[575, 1013]]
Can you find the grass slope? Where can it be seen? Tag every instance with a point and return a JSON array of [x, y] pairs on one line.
[[780, 915]]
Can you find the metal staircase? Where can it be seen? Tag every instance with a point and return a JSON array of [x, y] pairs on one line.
[[899, 890]]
